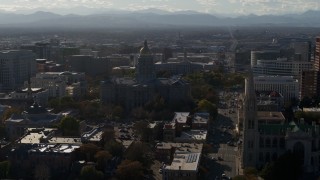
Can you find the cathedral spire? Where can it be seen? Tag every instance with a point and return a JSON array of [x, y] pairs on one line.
[[185, 55], [249, 86]]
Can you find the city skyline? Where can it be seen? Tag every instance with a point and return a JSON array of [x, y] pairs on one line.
[[224, 7]]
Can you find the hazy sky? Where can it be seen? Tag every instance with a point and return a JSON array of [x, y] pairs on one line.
[[211, 6]]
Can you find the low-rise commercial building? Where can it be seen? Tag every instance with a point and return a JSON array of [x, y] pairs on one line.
[[184, 166]]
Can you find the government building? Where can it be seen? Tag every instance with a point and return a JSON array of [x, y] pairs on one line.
[[134, 92]]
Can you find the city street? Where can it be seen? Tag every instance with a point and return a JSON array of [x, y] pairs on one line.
[[223, 140], [223, 162]]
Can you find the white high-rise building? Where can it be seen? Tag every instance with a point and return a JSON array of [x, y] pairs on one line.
[[16, 66], [285, 85], [281, 67], [59, 83]]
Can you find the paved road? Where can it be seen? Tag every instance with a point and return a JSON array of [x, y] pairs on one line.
[[223, 131], [227, 165]]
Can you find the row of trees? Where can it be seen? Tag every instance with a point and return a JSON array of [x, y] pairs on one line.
[[203, 90], [137, 158]]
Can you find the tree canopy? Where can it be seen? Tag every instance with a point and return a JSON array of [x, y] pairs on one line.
[[140, 152], [87, 151], [143, 130], [108, 135], [89, 172], [69, 126], [101, 159], [114, 147], [129, 170], [8, 112], [4, 169], [207, 106]]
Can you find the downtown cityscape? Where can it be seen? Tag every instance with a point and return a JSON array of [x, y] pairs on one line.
[[160, 90]]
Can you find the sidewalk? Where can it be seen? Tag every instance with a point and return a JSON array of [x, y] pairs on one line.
[[239, 170]]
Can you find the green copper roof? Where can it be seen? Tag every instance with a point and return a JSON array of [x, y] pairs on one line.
[[283, 128]]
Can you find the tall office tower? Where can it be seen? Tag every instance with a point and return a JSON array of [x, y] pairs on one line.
[[15, 68], [302, 50], [310, 80], [317, 55], [250, 126], [309, 84]]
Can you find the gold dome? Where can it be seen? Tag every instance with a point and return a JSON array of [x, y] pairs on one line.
[[145, 49]]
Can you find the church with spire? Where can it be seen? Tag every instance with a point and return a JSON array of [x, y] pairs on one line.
[[131, 92], [266, 135]]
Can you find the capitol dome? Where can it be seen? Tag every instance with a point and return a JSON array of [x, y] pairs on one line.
[[145, 49]]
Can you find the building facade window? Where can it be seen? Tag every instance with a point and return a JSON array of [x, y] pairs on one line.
[[261, 156], [268, 142], [261, 142], [275, 142]]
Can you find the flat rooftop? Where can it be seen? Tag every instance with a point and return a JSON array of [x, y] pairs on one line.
[[34, 135], [181, 117], [184, 162], [181, 147], [46, 148], [192, 135], [65, 140], [311, 109]]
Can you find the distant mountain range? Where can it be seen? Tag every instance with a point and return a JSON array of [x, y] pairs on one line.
[[153, 18]]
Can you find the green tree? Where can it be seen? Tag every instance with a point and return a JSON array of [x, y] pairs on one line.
[[156, 104], [90, 109], [251, 173], [8, 112], [139, 113], [89, 172], [130, 170], [207, 106], [140, 152], [101, 158], [4, 169], [143, 130], [55, 104], [114, 147], [88, 151], [118, 112], [108, 135], [69, 126]]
